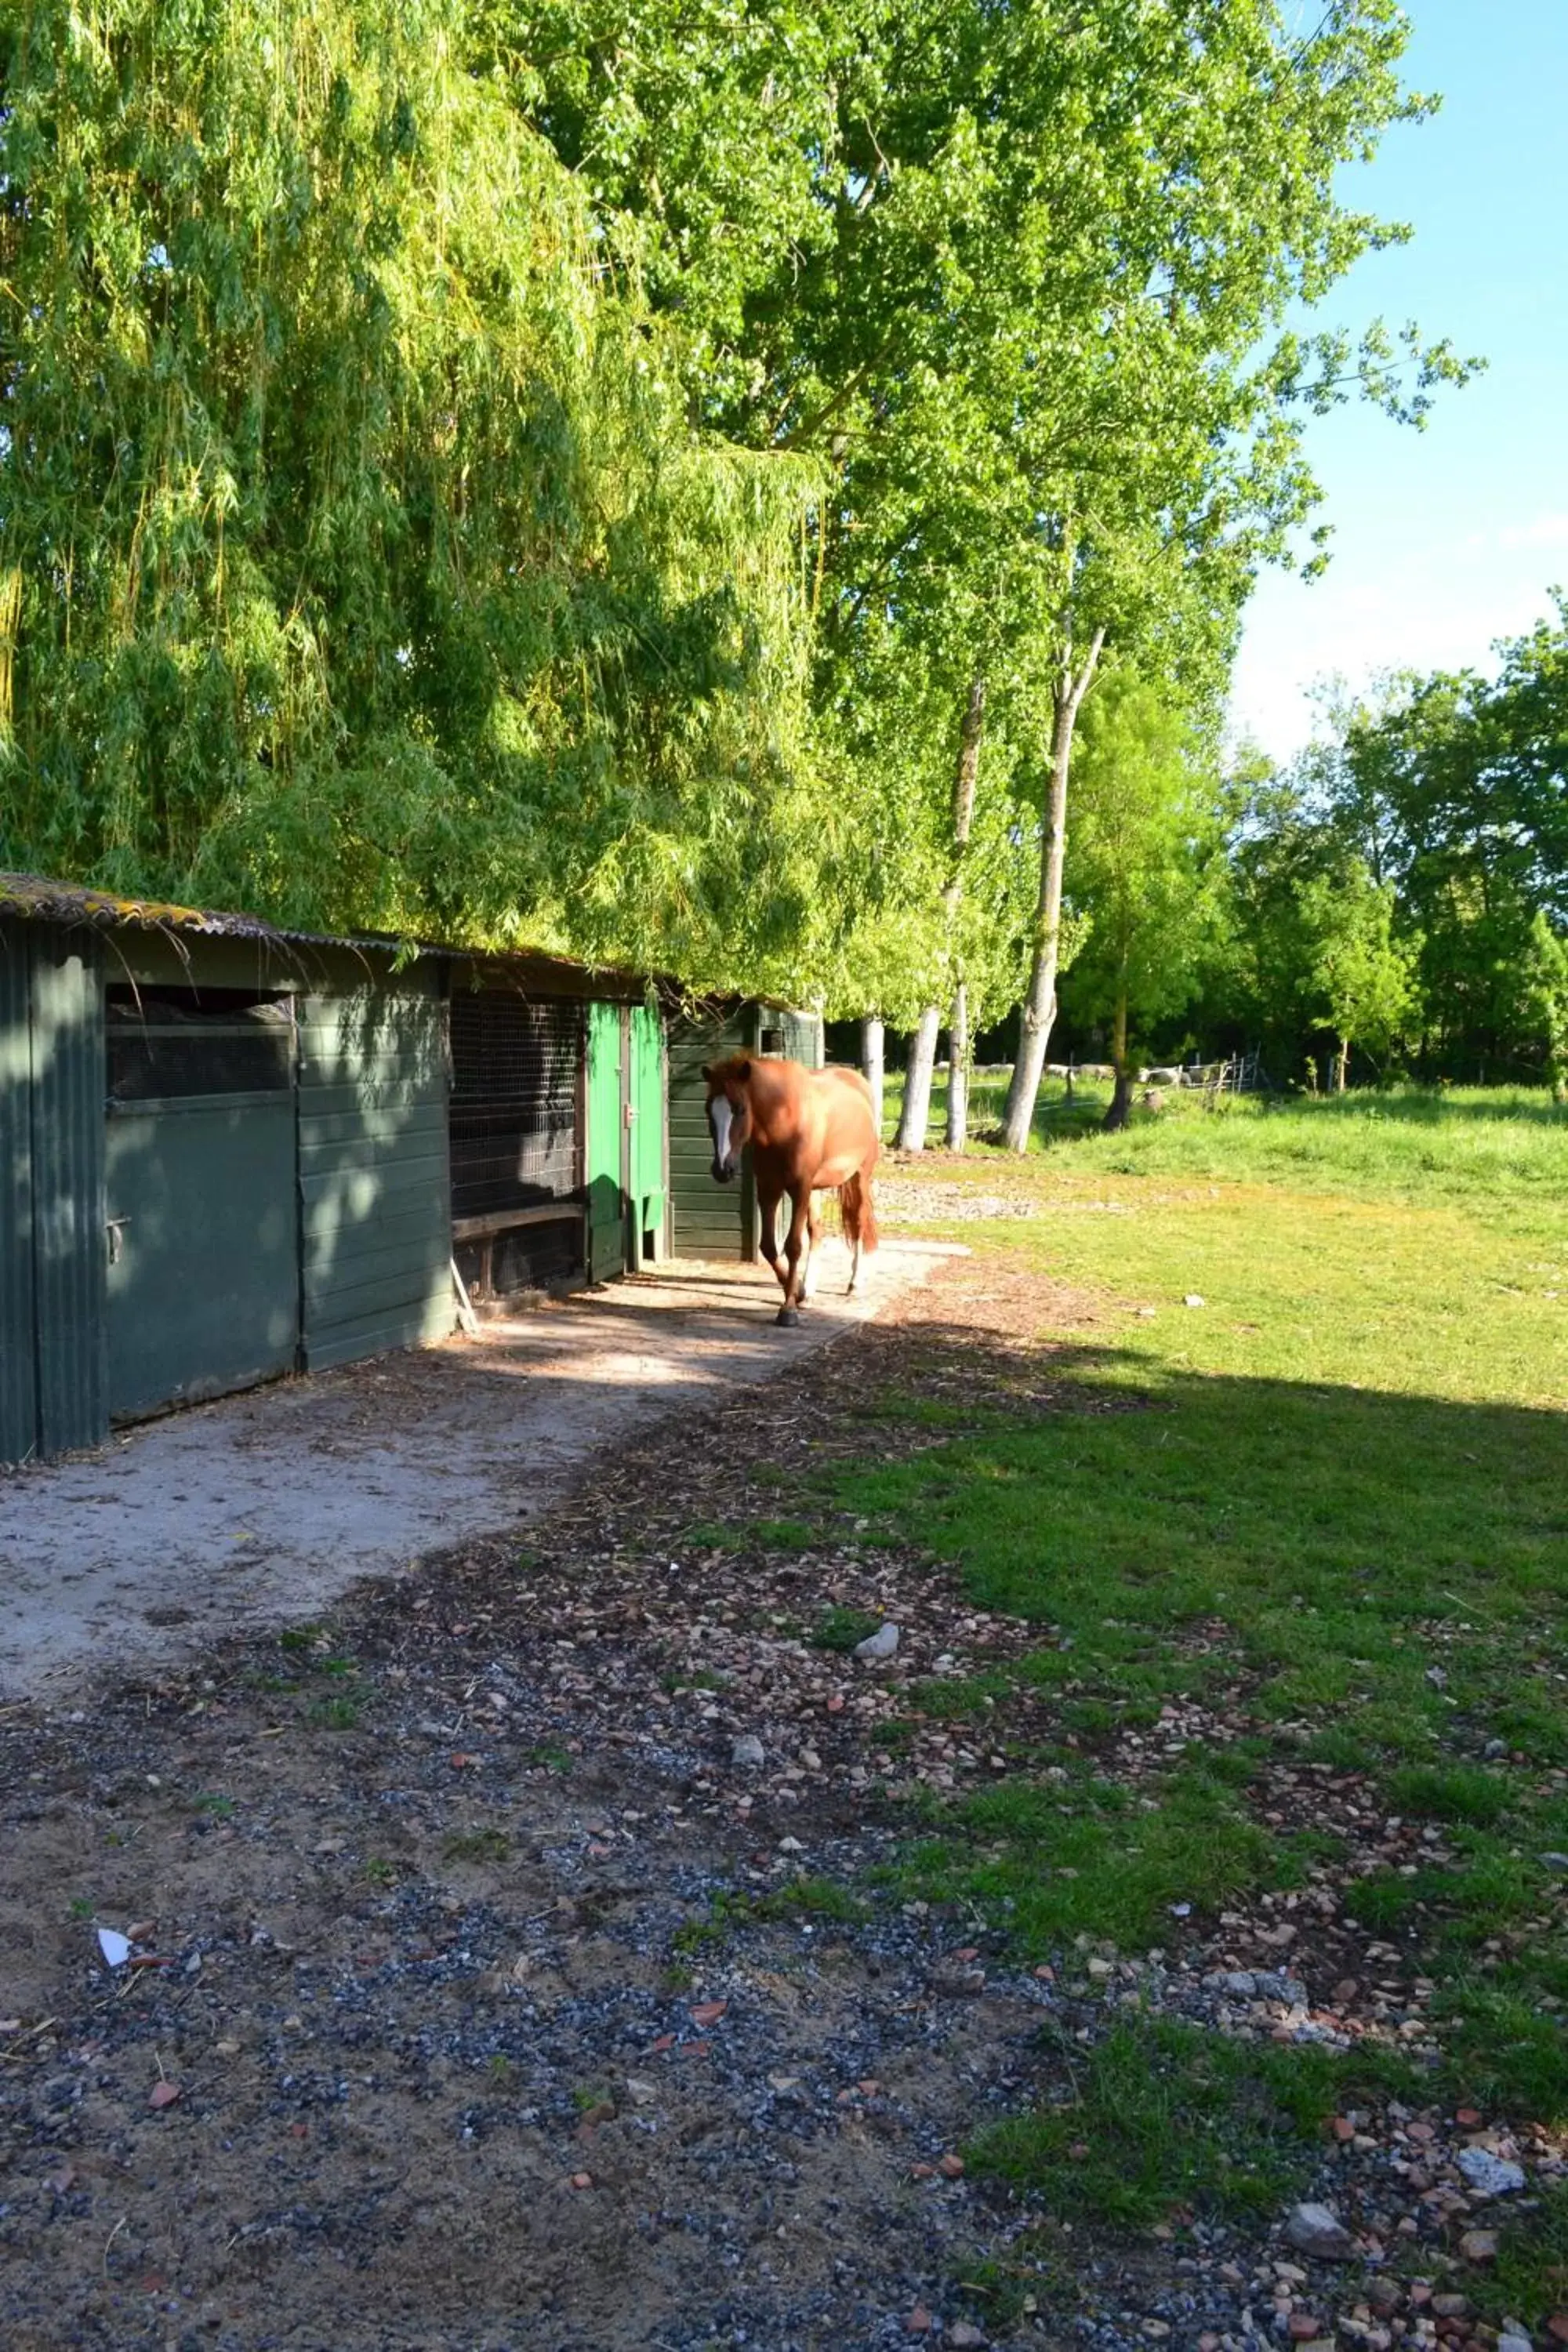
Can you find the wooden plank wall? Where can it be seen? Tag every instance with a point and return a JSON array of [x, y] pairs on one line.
[[708, 1220], [374, 1181], [19, 1365]]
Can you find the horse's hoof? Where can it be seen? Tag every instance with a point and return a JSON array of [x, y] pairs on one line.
[[788, 1317]]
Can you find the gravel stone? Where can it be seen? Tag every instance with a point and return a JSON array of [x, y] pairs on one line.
[[882, 1644], [1488, 2175], [1317, 2230]]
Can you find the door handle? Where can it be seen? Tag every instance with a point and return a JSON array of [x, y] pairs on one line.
[[115, 1228]]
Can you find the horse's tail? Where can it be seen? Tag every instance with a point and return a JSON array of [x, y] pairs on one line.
[[859, 1210]]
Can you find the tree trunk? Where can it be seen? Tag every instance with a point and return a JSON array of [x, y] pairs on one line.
[[958, 1070], [871, 1060], [915, 1116], [1040, 1004], [1119, 1114], [964, 784], [1342, 1066]]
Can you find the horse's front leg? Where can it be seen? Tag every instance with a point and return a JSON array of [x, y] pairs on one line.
[[768, 1218], [790, 1311]]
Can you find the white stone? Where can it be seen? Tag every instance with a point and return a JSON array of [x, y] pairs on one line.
[[879, 1645], [1317, 2230], [1490, 2175]]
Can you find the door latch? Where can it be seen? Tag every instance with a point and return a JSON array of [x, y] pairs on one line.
[[115, 1226]]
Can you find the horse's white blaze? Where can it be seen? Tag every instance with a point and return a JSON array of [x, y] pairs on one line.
[[721, 1112]]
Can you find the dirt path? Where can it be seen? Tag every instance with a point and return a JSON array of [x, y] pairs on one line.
[[484, 1992], [268, 1506]]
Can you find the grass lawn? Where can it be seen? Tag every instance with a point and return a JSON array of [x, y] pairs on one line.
[[1305, 1504]]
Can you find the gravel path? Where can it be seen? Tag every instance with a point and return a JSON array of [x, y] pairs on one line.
[[269, 1506]]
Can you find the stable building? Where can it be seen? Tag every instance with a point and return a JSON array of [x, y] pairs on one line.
[[229, 1152]]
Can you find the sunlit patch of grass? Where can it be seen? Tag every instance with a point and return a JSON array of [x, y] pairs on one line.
[[1504, 2053], [1160, 2117], [782, 1535], [1450, 1792], [841, 1629], [713, 1535], [1350, 1455], [1060, 1858], [954, 1698], [1530, 2280]]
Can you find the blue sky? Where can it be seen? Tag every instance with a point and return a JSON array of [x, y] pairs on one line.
[[1447, 539]]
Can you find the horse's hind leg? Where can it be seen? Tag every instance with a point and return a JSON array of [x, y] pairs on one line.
[[849, 1206], [813, 1241], [790, 1311]]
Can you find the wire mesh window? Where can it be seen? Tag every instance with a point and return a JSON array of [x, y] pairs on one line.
[[514, 1101], [167, 1043]]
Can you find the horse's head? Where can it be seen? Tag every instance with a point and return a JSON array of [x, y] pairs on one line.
[[729, 1115]]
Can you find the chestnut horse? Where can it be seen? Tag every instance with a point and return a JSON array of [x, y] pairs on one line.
[[810, 1131]]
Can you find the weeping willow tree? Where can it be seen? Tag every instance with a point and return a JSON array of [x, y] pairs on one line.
[[357, 560]]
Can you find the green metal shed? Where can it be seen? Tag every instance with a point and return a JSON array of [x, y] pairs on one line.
[[228, 1152], [52, 1362]]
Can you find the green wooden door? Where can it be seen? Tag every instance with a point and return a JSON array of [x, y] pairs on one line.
[[647, 1112], [607, 1130], [203, 1203], [709, 1220]]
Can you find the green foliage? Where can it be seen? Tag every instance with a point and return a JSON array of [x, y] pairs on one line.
[[1364, 977], [1531, 2272], [1546, 999], [1143, 858], [1005, 275], [1445, 794], [515, 469], [477, 1845], [1162, 2115], [362, 567]]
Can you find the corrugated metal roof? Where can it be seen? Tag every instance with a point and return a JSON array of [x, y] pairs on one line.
[[41, 900], [36, 898]]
